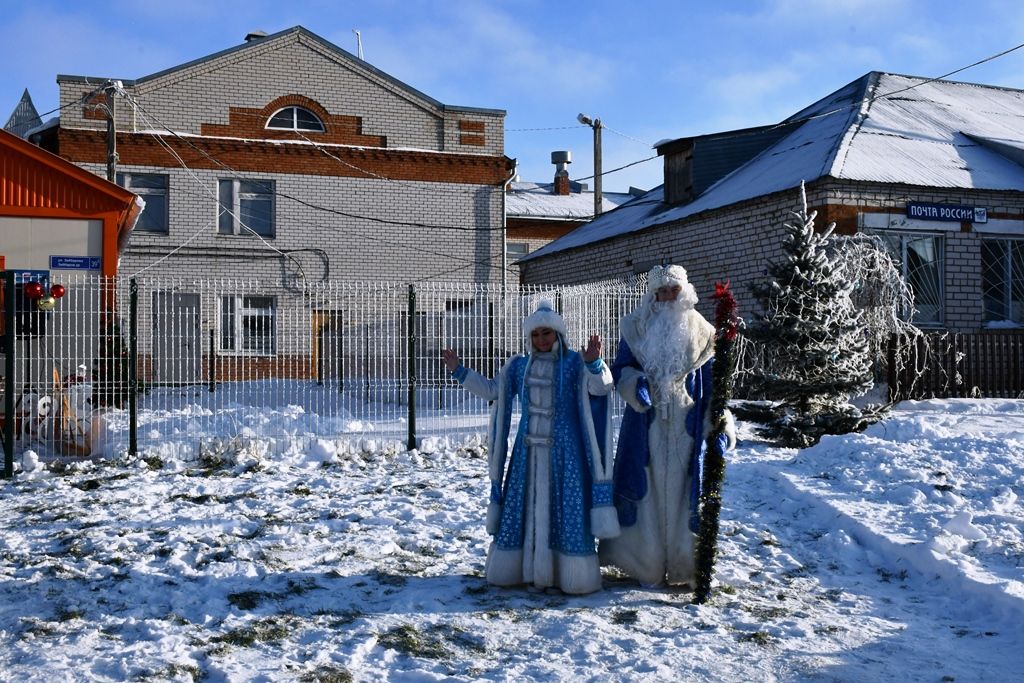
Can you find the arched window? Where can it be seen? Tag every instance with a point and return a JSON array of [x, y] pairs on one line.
[[295, 118]]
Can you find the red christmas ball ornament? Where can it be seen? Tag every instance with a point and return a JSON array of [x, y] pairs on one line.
[[57, 291], [33, 290]]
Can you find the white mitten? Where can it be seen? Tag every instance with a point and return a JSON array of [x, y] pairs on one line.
[[604, 521]]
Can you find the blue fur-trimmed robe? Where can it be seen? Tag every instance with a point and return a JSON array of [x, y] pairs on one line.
[[552, 492], [658, 461]]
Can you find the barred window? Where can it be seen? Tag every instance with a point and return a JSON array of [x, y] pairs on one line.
[[1002, 280], [922, 260], [248, 325]]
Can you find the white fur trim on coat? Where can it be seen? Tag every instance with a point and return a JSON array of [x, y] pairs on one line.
[[604, 522], [544, 316]]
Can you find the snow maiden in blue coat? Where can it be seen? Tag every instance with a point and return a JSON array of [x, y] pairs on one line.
[[663, 371], [552, 494]]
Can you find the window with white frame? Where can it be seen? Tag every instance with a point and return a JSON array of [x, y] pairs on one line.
[[248, 325], [1002, 280], [152, 187], [517, 250], [295, 118], [922, 261], [246, 207]]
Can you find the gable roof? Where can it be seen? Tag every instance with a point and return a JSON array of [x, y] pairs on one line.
[[31, 177], [24, 118], [882, 127], [34, 181], [295, 33]]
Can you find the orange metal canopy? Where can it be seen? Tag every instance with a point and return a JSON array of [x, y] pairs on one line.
[[36, 183]]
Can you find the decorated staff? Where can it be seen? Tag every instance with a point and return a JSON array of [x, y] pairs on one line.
[[723, 377]]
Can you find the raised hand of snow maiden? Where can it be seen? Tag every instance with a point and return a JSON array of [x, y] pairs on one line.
[[593, 350], [451, 359]]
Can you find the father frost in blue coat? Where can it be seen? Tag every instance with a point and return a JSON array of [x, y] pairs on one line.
[[663, 371]]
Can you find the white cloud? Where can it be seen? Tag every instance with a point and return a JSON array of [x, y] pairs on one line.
[[505, 54]]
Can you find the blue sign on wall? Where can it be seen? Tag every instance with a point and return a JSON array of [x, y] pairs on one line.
[[74, 262], [946, 212]]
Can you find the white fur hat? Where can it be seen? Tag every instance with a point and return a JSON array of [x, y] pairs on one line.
[[544, 316], [661, 276]]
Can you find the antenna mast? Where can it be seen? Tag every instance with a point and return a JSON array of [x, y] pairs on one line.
[[359, 43]]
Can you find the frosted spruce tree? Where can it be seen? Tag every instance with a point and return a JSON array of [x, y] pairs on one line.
[[813, 349]]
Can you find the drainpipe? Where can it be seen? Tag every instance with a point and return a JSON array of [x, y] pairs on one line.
[[504, 230]]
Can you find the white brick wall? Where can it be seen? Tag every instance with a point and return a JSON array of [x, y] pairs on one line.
[[352, 248]]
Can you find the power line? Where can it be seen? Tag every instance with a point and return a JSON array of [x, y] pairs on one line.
[[628, 137], [322, 149], [77, 102], [604, 173], [524, 130], [873, 98], [236, 175]]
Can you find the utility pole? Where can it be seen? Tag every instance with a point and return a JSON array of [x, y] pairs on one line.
[[110, 89], [596, 125]]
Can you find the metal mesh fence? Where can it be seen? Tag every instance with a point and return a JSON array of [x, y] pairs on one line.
[[356, 364]]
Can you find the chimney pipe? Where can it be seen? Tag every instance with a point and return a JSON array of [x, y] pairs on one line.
[[561, 160]]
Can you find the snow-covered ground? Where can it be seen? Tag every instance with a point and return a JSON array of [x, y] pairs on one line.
[[892, 555]]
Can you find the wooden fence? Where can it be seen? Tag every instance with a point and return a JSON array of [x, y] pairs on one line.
[[957, 365]]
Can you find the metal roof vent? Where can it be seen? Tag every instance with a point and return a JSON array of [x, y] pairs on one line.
[[255, 35]]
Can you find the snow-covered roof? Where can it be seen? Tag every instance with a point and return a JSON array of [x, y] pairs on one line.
[[538, 200], [882, 127]]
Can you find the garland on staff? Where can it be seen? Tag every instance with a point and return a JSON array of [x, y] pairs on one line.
[[723, 378]]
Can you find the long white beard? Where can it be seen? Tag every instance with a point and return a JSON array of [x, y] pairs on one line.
[[663, 345]]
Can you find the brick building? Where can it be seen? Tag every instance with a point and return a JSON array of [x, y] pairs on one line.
[[290, 160], [539, 213], [933, 167]]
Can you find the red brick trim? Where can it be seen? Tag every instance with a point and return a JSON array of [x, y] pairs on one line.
[[526, 228], [471, 139], [250, 123], [247, 156], [843, 215], [472, 126], [95, 107]]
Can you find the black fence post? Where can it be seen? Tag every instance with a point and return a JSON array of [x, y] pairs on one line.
[[211, 365], [892, 376], [493, 362], [320, 354], [133, 369], [9, 374], [339, 339], [411, 442], [442, 378]]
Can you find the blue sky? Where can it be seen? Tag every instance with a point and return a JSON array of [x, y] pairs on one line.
[[649, 70]]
